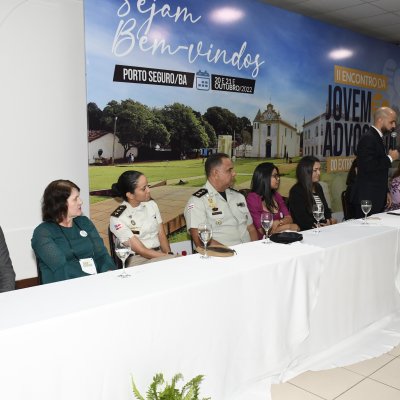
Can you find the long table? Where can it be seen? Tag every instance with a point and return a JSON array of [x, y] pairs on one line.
[[264, 315]]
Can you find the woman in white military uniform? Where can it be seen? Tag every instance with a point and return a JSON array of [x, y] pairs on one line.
[[138, 221]]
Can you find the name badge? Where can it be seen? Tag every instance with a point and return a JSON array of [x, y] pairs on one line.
[[88, 266]]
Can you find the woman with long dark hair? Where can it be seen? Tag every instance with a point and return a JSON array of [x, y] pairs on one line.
[[306, 192], [137, 220], [264, 196], [67, 244]]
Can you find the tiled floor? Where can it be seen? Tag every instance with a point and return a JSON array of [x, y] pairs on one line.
[[374, 379]]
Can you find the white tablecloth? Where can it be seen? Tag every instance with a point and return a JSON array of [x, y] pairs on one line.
[[269, 311], [357, 289]]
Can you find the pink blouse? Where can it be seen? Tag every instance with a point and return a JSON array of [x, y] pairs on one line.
[[395, 192], [254, 204]]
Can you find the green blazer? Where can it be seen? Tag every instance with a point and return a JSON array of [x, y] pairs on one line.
[[58, 249]]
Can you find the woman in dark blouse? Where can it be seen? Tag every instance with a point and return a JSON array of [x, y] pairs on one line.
[[67, 244], [306, 192]]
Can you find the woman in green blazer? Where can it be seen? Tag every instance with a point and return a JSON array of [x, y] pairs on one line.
[[67, 244]]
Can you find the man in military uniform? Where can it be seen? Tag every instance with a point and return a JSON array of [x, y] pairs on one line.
[[217, 204]]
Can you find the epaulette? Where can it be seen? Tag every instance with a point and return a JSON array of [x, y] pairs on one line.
[[118, 211], [200, 193], [234, 190]]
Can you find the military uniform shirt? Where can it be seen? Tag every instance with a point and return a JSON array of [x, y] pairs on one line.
[[142, 221], [229, 218]]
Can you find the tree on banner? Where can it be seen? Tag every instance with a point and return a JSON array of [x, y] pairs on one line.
[[222, 120], [212, 137], [246, 140], [94, 117], [186, 130], [137, 125], [243, 126], [226, 122]]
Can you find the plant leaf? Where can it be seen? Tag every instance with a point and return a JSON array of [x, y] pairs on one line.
[[152, 393], [135, 390], [156, 391], [175, 379]]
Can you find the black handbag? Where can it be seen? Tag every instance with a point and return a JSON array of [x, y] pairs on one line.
[[286, 237]]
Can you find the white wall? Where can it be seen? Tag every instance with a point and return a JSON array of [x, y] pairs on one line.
[[106, 144], [43, 109]]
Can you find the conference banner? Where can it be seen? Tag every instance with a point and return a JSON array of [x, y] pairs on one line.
[[292, 85]]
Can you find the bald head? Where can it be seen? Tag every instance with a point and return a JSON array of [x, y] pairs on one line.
[[385, 119]]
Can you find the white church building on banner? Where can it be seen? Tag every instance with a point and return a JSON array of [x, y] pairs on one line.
[[314, 137], [325, 136], [273, 137]]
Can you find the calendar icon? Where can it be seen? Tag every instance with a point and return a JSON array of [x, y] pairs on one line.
[[202, 80]]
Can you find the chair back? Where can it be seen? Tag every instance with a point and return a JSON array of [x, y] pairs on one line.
[[192, 245], [244, 192], [111, 242], [39, 272], [345, 205]]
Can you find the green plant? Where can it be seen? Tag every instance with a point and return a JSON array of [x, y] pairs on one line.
[[156, 390]]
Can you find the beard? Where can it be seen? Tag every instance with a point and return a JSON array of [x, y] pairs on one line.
[[385, 130]]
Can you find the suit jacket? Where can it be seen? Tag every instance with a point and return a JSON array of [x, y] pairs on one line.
[[7, 274], [372, 174]]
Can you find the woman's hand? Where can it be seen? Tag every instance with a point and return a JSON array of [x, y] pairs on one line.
[[330, 221], [275, 227], [287, 227], [285, 224]]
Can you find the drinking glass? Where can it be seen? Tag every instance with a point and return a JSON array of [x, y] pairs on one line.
[[366, 206], [205, 234], [266, 220], [123, 251], [318, 213]]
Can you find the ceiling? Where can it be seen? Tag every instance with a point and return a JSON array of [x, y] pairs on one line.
[[377, 18]]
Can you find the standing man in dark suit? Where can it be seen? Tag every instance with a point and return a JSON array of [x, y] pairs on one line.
[[374, 163]]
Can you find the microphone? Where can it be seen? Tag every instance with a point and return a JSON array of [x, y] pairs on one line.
[[393, 141]]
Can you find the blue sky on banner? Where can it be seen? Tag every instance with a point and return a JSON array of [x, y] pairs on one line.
[[289, 54]]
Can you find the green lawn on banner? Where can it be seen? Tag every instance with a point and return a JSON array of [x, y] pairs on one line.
[[103, 177]]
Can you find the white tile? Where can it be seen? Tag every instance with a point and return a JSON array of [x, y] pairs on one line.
[[389, 374], [395, 352], [370, 390], [368, 367], [327, 384], [286, 391]]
